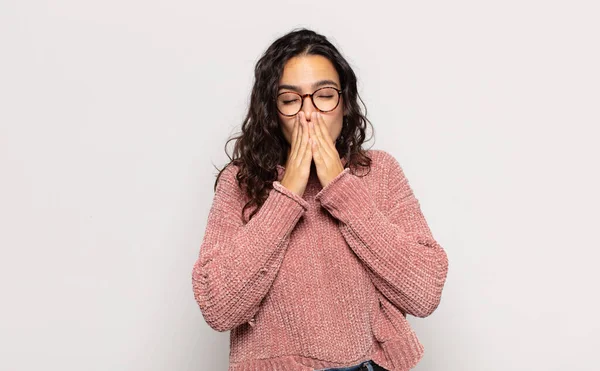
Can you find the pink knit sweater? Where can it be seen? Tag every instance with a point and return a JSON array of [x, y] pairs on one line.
[[322, 280]]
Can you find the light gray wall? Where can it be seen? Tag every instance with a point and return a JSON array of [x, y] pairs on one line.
[[113, 112]]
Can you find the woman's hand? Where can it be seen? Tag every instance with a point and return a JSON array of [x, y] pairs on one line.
[[297, 168], [327, 158]]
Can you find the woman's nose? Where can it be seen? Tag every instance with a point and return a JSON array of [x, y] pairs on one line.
[[308, 108]]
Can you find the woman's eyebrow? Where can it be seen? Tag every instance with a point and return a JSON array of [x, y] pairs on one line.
[[314, 86]]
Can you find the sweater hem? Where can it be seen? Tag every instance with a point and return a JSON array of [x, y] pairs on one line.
[[398, 354]]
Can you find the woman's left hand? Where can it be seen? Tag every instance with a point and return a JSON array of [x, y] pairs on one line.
[[326, 157]]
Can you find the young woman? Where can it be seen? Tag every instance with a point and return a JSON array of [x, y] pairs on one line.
[[315, 249]]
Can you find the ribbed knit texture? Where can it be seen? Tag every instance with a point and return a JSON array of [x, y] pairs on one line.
[[323, 280]]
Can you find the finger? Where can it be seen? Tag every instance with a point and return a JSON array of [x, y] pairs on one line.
[[295, 132], [316, 152], [324, 132], [329, 143], [322, 142], [307, 146], [312, 130], [308, 154], [304, 137], [295, 138]]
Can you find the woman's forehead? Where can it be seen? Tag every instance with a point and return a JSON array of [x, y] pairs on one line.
[[307, 71]]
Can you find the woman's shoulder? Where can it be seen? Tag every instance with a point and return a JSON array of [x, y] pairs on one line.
[[227, 183], [382, 160], [378, 154]]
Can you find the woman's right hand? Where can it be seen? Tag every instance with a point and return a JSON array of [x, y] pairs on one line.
[[297, 168]]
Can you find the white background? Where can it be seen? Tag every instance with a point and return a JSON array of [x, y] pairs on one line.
[[113, 113]]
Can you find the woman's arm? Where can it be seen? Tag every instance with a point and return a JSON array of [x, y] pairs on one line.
[[237, 263], [405, 262]]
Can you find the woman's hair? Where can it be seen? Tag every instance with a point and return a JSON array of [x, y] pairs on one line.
[[261, 146]]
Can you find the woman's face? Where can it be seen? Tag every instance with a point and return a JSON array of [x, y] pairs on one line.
[[304, 75]]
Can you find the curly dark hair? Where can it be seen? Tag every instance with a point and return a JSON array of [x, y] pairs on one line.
[[261, 146]]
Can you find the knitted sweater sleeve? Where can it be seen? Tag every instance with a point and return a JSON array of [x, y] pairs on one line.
[[405, 262], [237, 262]]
